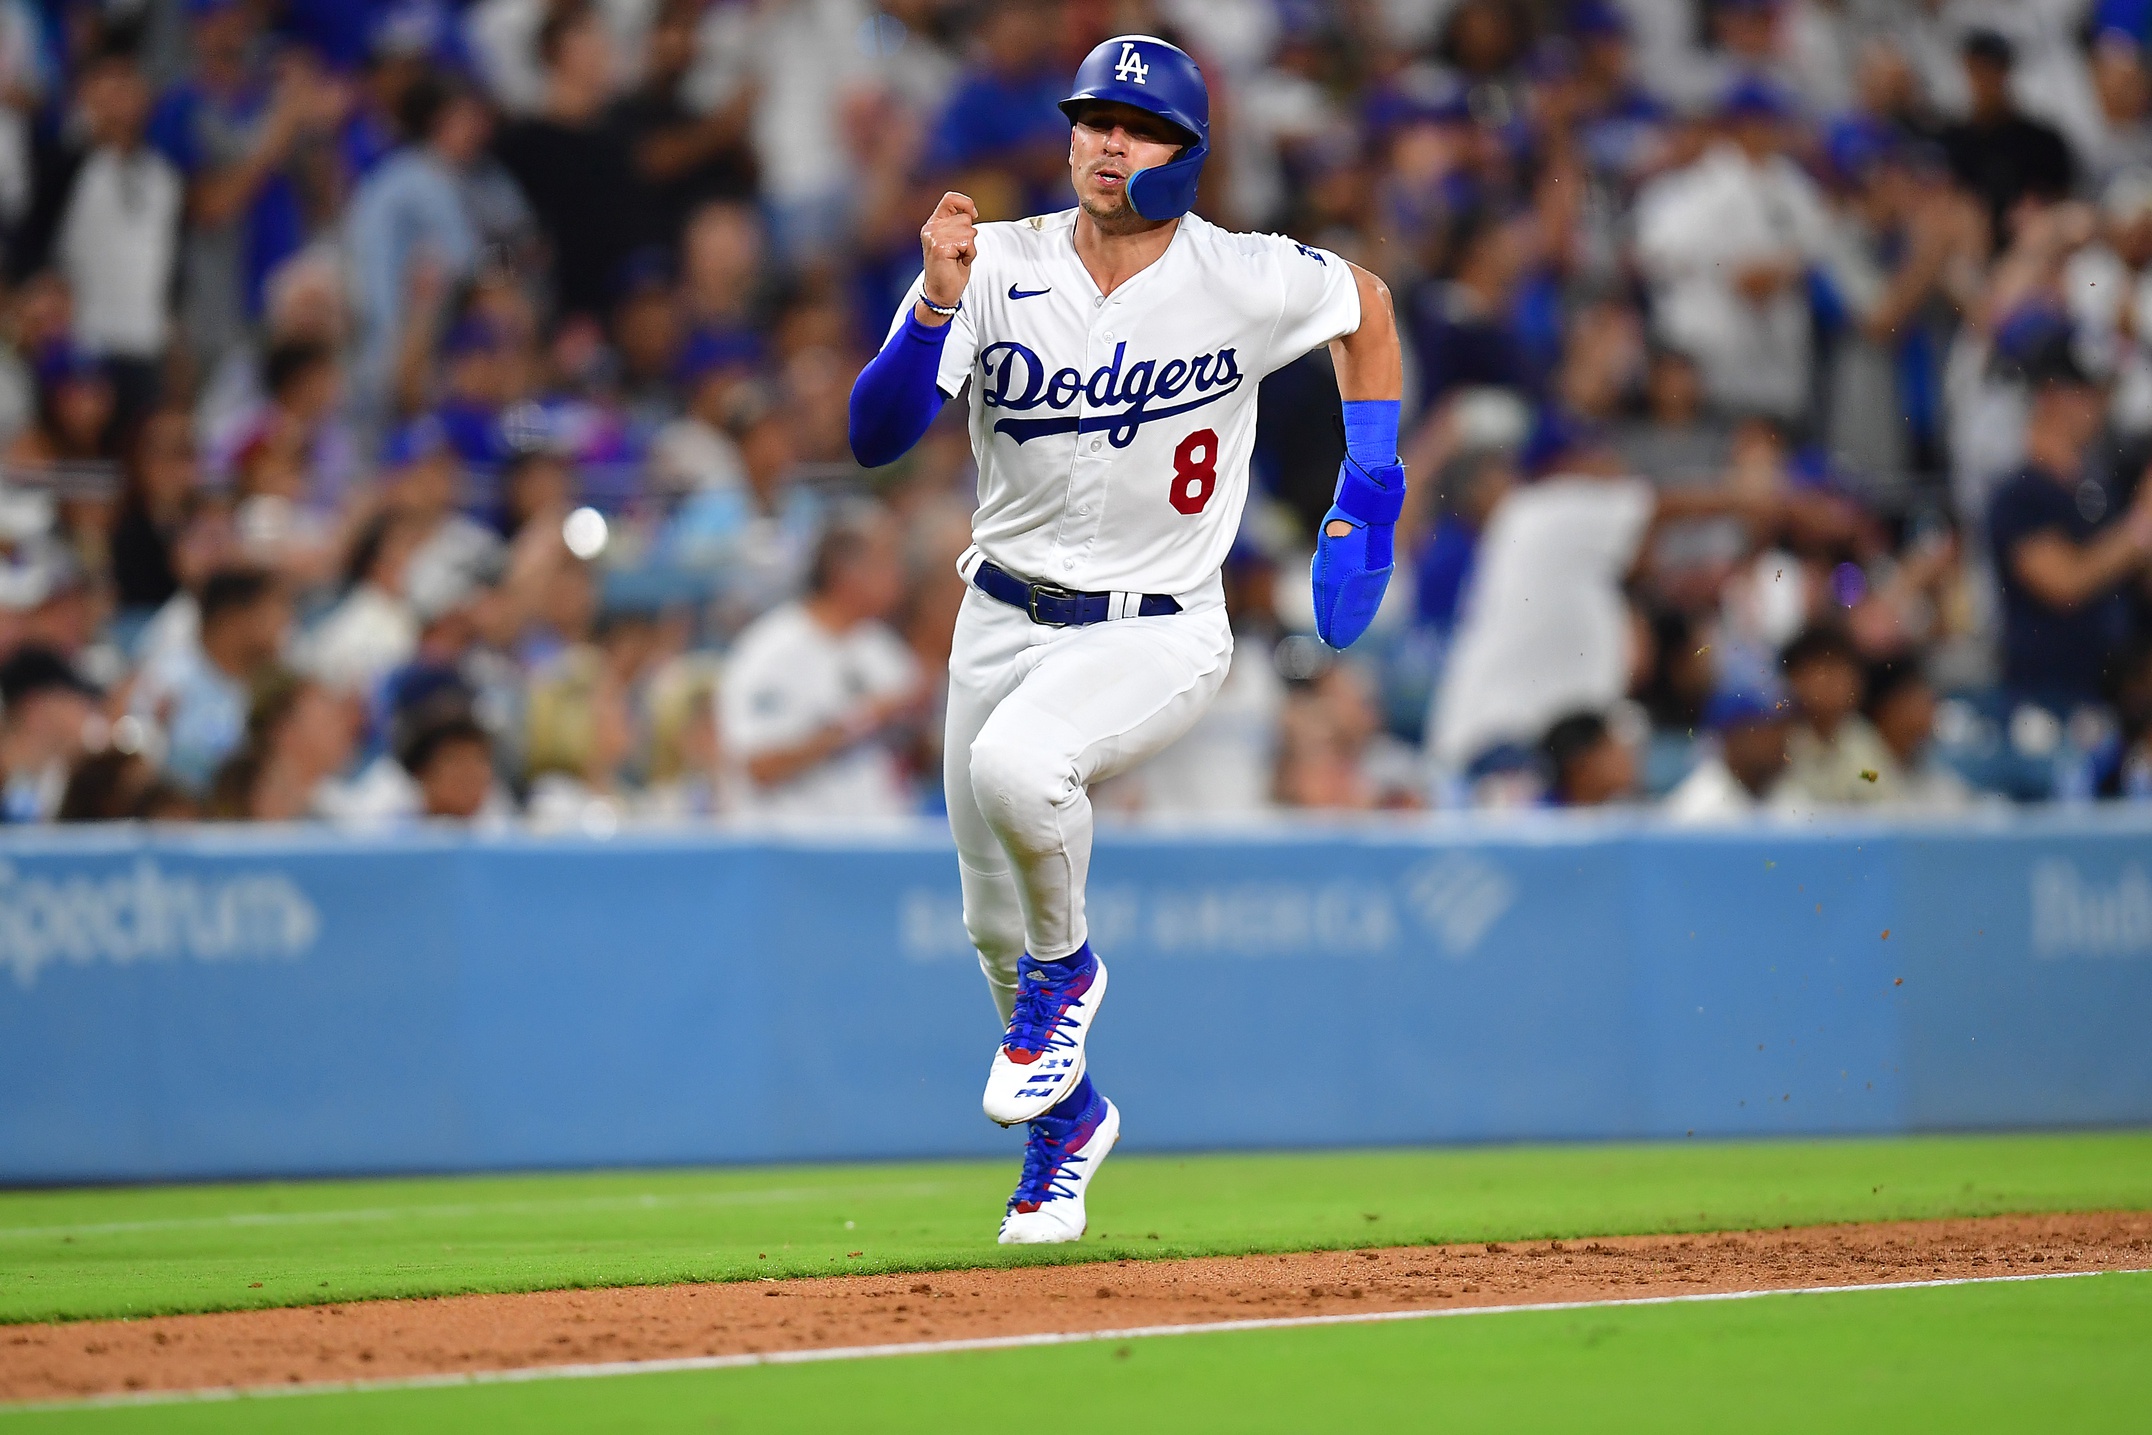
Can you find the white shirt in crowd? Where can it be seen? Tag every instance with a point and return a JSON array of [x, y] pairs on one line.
[[1113, 433], [365, 636], [1545, 631], [1696, 229], [118, 240], [2112, 305], [788, 678], [804, 56], [1710, 793]]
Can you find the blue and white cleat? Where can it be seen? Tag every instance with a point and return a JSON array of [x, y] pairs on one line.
[[1060, 1158], [1040, 1058]]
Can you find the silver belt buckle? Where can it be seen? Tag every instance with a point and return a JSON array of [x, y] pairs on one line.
[[1046, 590]]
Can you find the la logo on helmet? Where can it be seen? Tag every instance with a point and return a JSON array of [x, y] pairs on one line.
[[1131, 66]]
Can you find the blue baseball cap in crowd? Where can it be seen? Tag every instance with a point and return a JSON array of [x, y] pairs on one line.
[[472, 335], [708, 351], [1857, 145], [62, 362], [1731, 707], [1555, 436], [648, 268], [419, 439], [1597, 19], [2037, 345], [1753, 98]]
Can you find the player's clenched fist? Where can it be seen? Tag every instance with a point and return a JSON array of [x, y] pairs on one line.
[[949, 241]]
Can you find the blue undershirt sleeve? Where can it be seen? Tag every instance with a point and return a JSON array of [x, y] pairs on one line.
[[895, 396]]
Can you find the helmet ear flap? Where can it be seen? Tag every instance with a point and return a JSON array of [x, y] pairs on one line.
[[1167, 191]]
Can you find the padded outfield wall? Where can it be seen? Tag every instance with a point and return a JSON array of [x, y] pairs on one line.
[[249, 1002]]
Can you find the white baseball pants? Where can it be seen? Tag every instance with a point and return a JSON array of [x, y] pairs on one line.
[[1036, 715]]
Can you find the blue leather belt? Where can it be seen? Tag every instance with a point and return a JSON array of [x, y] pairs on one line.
[[1058, 607]]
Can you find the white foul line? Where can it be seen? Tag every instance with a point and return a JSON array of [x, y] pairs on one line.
[[602, 1369]]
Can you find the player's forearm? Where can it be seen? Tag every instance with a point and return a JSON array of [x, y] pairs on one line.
[[1370, 361], [1355, 548], [895, 397]]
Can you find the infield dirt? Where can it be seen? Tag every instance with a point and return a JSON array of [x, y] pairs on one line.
[[388, 1339]]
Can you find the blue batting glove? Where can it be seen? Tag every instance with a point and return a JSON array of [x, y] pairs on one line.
[[1352, 567]]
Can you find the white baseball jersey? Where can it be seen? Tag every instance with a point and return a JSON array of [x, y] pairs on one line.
[[1113, 432]]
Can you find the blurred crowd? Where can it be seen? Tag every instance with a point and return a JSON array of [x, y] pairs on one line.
[[426, 409]]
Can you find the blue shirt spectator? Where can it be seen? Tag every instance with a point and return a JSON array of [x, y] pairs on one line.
[[411, 211], [2053, 653], [1006, 113], [1464, 325], [234, 132]]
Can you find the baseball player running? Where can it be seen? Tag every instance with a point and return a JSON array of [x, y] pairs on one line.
[[1113, 352]]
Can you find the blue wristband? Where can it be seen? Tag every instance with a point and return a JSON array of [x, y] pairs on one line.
[[1371, 432]]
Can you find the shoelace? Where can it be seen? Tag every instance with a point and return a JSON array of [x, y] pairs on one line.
[[1047, 1162], [1041, 1011]]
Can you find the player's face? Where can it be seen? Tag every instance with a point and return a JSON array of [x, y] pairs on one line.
[[1107, 144]]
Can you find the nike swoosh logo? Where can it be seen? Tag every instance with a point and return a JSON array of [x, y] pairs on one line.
[[1016, 293]]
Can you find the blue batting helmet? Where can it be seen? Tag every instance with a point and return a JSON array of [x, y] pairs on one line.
[[1151, 75]]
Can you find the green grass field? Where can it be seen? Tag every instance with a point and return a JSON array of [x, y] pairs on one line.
[[2065, 1354], [143, 1251], [2046, 1355]]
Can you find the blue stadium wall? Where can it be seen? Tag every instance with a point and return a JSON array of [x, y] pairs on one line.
[[247, 1003]]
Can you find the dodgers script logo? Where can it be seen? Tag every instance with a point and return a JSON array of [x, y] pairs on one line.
[[1015, 378]]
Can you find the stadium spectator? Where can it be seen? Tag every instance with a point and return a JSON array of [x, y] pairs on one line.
[[373, 629], [687, 777], [299, 739], [1472, 486], [1588, 764], [578, 738], [1901, 708], [155, 504], [818, 690], [2063, 549], [1834, 757], [1741, 767], [451, 760], [1547, 627], [2108, 287], [47, 713], [685, 153], [693, 452], [573, 165], [1728, 243], [1998, 153], [722, 260], [451, 551], [1464, 319], [108, 785], [1001, 137], [112, 211], [252, 128], [200, 699], [2124, 95], [413, 213], [1333, 753]]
